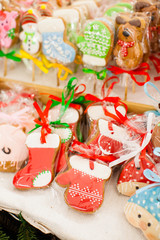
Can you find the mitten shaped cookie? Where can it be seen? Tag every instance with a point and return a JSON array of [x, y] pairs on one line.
[[143, 210], [13, 150], [30, 37], [131, 178], [85, 182], [54, 43], [39, 172], [96, 44], [9, 27]]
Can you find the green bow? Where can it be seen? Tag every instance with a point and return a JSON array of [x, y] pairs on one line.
[[58, 122], [100, 75], [11, 33], [10, 56]]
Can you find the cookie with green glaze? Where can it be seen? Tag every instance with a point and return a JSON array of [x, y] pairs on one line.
[[96, 44]]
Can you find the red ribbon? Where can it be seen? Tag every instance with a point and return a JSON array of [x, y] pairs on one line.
[[45, 130], [139, 71], [156, 62]]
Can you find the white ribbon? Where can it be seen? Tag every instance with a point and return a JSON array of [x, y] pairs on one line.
[[146, 141]]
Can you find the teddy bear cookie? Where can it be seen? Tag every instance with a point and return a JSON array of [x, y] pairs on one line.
[[54, 43], [96, 44], [85, 182], [131, 178], [143, 210], [13, 150], [30, 37], [71, 117], [39, 171], [9, 28], [128, 51]]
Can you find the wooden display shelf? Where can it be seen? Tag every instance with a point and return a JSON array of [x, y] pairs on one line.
[[7, 83]]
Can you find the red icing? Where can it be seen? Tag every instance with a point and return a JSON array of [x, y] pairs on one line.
[[132, 174], [84, 192], [40, 159], [124, 46]]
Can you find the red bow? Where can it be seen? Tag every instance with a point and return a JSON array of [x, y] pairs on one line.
[[45, 130], [139, 71], [124, 46]]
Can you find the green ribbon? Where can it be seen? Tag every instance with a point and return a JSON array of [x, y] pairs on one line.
[[100, 75], [10, 56], [11, 33], [80, 100], [27, 35], [70, 86], [58, 122]]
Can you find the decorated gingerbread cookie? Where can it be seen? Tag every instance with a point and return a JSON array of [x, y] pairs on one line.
[[96, 44], [131, 178], [54, 43], [143, 209], [64, 3], [13, 150], [30, 37], [71, 117], [9, 28], [85, 182], [45, 9], [39, 172]]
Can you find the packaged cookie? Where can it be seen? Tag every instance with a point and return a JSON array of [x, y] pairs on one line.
[[92, 7], [143, 209], [85, 183], [13, 150], [45, 9], [43, 146]]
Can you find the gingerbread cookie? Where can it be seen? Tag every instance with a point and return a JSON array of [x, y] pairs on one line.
[[30, 37], [96, 44], [85, 182], [143, 210], [54, 43], [13, 150], [39, 172]]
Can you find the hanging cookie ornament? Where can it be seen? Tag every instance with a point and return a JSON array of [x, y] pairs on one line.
[[85, 182], [96, 44], [9, 29], [55, 46], [128, 51], [13, 151], [43, 146], [131, 177], [143, 209]]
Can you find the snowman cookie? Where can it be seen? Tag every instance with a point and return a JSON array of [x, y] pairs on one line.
[[143, 210], [85, 182], [54, 43], [96, 44], [30, 37]]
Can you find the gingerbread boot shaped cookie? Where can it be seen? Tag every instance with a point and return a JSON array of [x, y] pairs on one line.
[[39, 171], [85, 182]]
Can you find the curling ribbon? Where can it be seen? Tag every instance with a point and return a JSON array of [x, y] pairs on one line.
[[36, 61], [10, 55], [139, 71], [59, 66], [100, 75]]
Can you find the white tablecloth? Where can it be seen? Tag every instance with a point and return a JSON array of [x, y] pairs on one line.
[[46, 210]]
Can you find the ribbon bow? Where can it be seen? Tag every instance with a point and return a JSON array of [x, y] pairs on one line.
[[10, 55], [37, 62], [150, 175], [100, 75], [44, 123], [124, 46], [18, 118], [139, 71]]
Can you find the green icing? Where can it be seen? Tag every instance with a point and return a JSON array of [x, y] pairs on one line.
[[96, 41], [113, 10], [125, 4]]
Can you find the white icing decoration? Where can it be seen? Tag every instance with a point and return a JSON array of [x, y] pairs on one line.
[[64, 133], [94, 60], [42, 179], [118, 133], [69, 15], [33, 140], [51, 25], [82, 164]]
